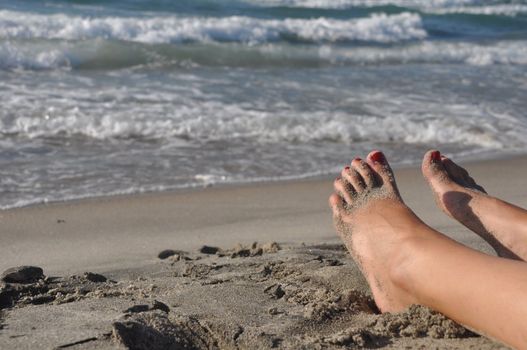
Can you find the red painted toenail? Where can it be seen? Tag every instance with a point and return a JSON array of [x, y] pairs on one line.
[[347, 168], [436, 156], [378, 157], [357, 159]]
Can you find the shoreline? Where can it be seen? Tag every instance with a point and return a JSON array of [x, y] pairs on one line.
[[490, 157], [106, 232], [297, 288]]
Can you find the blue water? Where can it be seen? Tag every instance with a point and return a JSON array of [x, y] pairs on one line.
[[127, 96]]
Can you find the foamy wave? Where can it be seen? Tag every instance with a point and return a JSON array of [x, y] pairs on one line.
[[505, 52], [102, 54], [475, 7], [502, 10], [364, 3], [213, 121], [378, 28], [13, 56]]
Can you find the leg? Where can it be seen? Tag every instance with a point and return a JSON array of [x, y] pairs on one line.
[[502, 225], [406, 262]]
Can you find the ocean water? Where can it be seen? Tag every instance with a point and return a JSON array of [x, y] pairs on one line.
[[127, 96]]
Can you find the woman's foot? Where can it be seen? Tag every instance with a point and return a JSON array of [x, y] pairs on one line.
[[502, 225], [377, 227], [406, 262]]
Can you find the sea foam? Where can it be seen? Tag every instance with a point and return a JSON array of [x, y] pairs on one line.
[[474, 7], [498, 9], [365, 3], [408, 122], [107, 55], [380, 28]]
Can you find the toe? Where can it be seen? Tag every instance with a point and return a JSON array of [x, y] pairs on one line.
[[354, 178], [344, 189], [382, 171], [433, 167], [364, 170]]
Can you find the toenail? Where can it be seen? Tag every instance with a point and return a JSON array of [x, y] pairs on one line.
[[356, 159], [378, 157], [347, 168], [435, 156]]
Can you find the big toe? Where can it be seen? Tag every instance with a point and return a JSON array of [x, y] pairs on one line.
[[383, 173], [434, 170]]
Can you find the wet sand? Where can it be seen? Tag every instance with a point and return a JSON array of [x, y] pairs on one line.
[[304, 291]]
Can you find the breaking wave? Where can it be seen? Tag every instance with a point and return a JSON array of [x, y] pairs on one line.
[[107, 55], [459, 124], [380, 28]]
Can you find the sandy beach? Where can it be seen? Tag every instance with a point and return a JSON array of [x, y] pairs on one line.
[[296, 288], [165, 170]]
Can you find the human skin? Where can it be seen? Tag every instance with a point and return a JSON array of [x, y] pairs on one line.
[[501, 224], [407, 262]]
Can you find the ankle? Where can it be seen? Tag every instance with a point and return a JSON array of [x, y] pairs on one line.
[[402, 269]]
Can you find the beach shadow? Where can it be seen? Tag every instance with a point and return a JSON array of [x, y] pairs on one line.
[[457, 204]]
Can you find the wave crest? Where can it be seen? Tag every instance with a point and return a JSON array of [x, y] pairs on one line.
[[218, 122], [364, 3], [380, 28], [100, 54]]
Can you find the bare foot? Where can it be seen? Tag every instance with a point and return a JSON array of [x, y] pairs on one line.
[[406, 262], [502, 225], [375, 224]]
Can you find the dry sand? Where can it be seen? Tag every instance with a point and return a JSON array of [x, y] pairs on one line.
[[307, 294]]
